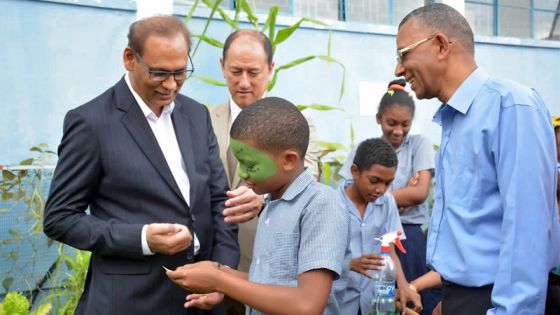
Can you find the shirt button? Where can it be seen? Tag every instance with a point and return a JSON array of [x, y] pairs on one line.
[[363, 224], [193, 217], [258, 260], [267, 222]]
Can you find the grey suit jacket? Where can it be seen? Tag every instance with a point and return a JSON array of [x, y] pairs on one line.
[[110, 161]]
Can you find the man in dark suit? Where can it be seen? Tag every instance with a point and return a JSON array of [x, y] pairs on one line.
[[145, 160]]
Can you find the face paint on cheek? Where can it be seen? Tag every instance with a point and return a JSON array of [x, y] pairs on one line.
[[252, 162]]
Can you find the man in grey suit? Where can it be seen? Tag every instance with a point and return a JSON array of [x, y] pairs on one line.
[[247, 65], [145, 160]]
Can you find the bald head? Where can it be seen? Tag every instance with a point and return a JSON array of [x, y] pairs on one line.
[[251, 35], [443, 18], [162, 26]]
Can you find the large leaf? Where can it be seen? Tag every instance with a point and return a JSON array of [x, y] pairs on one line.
[[250, 15], [211, 41], [209, 80], [214, 6], [343, 83], [318, 107], [287, 66], [26, 162], [331, 146], [8, 175], [270, 23], [232, 23], [285, 33], [191, 12]]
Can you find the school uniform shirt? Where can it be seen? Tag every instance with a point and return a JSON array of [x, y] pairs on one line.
[[381, 217], [415, 154], [306, 229], [495, 219]]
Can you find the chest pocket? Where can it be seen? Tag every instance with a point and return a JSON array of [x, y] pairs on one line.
[[283, 256]]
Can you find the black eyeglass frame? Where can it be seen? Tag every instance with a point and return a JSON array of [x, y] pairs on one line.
[[161, 75]]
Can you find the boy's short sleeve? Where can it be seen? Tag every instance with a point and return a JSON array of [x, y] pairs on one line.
[[423, 154], [325, 233]]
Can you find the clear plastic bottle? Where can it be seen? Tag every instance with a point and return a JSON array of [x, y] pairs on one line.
[[383, 302]]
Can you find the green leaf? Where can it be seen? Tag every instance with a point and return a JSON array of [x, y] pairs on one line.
[[331, 145], [318, 107], [8, 175], [234, 24], [326, 170], [250, 15], [7, 283], [15, 234], [270, 24], [191, 12], [43, 309], [214, 7], [4, 210], [285, 33], [7, 242], [287, 66], [210, 80], [7, 196], [37, 149], [211, 41], [13, 255], [26, 162]]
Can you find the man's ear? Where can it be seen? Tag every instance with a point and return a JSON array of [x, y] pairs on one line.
[[128, 59], [290, 159], [444, 45]]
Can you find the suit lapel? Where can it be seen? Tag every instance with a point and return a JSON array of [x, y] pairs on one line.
[[137, 125], [183, 132], [221, 129]]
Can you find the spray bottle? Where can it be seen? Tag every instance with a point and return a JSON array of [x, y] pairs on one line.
[[383, 302]]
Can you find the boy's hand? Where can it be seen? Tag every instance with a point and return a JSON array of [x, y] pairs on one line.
[[404, 295], [242, 205], [200, 277], [366, 262], [204, 301]]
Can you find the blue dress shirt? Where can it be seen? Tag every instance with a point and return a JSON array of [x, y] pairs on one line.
[[495, 218], [381, 217]]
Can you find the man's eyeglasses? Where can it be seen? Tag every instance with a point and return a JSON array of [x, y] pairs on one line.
[[403, 51], [160, 75]]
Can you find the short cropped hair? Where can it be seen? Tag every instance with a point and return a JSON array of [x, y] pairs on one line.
[[274, 125], [444, 18], [259, 36], [160, 25], [375, 151]]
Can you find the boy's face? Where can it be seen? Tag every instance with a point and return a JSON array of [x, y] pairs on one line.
[[374, 181], [262, 171]]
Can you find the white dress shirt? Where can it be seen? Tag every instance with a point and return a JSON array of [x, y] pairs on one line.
[[164, 132]]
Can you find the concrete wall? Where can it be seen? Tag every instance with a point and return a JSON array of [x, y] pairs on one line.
[[56, 55]]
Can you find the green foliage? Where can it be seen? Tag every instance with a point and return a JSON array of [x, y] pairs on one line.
[[16, 303], [331, 162]]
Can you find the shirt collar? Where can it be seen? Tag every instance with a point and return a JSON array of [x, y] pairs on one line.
[[167, 110], [347, 182], [298, 185], [464, 96], [234, 110]]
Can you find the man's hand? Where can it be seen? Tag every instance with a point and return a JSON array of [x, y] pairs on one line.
[[204, 301], [243, 205], [168, 238], [200, 277], [366, 262]]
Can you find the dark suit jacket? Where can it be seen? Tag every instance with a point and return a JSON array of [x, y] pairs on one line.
[[110, 161]]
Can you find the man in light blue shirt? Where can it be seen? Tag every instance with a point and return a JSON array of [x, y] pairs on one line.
[[494, 235]]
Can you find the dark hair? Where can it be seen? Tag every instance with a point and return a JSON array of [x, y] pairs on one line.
[[443, 18], [274, 125], [396, 95], [160, 25], [267, 46], [375, 151]]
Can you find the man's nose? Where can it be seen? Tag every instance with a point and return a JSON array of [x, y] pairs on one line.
[[399, 70], [170, 83], [244, 80]]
